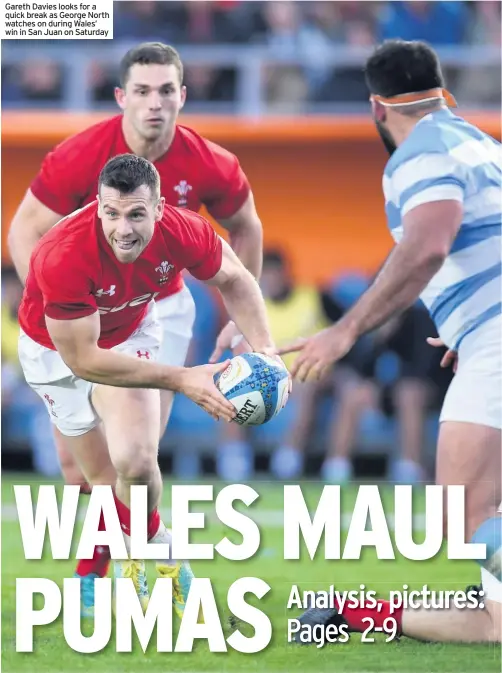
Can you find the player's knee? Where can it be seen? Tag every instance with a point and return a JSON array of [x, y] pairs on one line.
[[138, 463], [72, 474], [106, 476], [72, 479]]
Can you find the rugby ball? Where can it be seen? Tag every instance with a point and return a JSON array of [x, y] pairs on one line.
[[257, 386]]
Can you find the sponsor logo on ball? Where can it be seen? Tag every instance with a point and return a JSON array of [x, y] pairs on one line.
[[245, 412]]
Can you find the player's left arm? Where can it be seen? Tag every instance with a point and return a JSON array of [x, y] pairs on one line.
[[245, 233], [429, 230], [243, 300], [230, 201], [211, 259]]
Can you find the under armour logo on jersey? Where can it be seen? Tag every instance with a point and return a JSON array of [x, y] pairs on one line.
[[143, 354], [110, 292]]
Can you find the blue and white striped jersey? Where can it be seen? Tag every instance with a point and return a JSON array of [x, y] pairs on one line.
[[447, 158]]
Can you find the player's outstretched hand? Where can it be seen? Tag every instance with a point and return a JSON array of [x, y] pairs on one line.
[[449, 358], [319, 352], [198, 384], [229, 337]]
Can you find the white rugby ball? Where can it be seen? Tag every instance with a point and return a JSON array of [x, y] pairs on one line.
[[257, 386]]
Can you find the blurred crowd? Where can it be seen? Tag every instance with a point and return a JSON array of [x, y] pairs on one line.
[[382, 399], [287, 28]]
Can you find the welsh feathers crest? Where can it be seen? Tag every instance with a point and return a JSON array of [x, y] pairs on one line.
[[182, 189], [164, 268]]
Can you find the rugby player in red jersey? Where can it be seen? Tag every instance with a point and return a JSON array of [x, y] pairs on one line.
[[90, 338], [193, 172]]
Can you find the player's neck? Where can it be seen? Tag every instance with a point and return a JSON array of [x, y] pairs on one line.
[[143, 148], [402, 128], [403, 125]]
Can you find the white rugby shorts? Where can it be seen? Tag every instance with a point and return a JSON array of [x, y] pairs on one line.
[[176, 315], [164, 335], [68, 397], [475, 393]]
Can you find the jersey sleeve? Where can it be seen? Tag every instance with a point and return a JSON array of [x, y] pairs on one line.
[[426, 178], [59, 184], [201, 247], [228, 187], [65, 284]]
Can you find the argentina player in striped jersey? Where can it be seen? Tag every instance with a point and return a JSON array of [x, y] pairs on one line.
[[443, 194], [447, 159]]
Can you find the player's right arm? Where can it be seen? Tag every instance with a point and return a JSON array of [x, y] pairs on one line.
[[60, 187], [31, 221], [77, 342]]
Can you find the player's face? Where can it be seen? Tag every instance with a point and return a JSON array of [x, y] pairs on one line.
[[129, 220], [152, 99]]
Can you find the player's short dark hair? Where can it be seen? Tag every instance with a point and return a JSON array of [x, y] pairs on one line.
[[128, 172], [398, 67], [149, 53]]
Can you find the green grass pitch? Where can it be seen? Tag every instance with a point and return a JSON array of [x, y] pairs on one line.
[[53, 655]]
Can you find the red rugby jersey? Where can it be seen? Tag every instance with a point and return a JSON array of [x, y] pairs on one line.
[[74, 272], [193, 172]]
